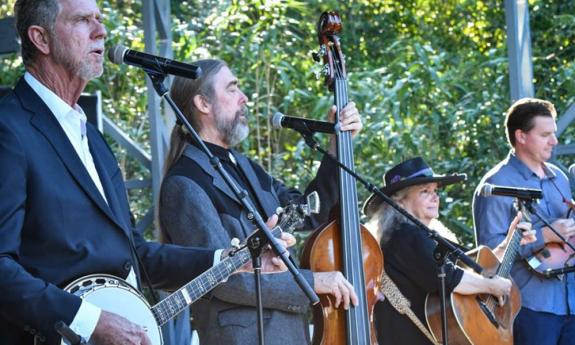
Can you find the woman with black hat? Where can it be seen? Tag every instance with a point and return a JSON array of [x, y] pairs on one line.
[[409, 251]]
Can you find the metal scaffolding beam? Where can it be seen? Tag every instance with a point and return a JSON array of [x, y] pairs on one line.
[[158, 41], [519, 49]]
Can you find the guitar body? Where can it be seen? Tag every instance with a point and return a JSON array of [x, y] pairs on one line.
[[324, 253], [115, 295], [552, 256], [470, 321]]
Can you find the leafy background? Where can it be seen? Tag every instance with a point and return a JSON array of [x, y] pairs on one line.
[[430, 78]]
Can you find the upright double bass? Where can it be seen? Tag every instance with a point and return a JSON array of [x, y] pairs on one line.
[[344, 244]]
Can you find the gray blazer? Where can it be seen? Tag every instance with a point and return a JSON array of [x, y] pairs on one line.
[[198, 209]]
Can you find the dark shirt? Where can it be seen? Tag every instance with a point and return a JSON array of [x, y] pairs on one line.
[[186, 166], [409, 263], [230, 164]]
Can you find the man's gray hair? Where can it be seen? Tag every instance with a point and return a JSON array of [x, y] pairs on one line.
[[34, 12]]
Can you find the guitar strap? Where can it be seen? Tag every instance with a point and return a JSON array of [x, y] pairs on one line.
[[403, 306]]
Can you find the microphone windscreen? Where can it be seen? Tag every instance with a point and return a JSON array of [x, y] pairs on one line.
[[277, 120], [572, 170], [486, 190], [116, 54]]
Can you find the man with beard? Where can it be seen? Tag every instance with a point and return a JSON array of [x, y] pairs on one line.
[[196, 208], [64, 212]]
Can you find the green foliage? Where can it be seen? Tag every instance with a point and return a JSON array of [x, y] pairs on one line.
[[430, 78]]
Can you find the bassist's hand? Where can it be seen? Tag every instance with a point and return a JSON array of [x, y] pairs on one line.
[[349, 120], [113, 329], [335, 284]]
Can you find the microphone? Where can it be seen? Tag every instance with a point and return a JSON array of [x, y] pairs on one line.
[[300, 124], [520, 193], [572, 170], [552, 273], [119, 54]]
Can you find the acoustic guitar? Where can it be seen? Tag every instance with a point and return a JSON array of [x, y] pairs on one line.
[[479, 319]]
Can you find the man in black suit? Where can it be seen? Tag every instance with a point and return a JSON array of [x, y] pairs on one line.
[[64, 212]]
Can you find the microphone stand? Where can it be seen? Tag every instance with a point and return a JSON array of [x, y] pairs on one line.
[[444, 247], [553, 273], [263, 235]]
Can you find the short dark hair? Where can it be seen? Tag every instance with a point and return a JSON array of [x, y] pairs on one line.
[[521, 114], [34, 12]]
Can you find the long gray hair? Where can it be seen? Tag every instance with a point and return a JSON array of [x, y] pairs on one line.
[[183, 91], [34, 12], [385, 219]]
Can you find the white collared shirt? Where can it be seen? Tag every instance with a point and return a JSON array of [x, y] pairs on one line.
[[71, 119], [73, 122]]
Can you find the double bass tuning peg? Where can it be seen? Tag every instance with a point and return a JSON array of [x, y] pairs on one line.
[[317, 56]]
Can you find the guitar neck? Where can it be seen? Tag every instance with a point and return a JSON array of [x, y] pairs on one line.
[[510, 254], [172, 305]]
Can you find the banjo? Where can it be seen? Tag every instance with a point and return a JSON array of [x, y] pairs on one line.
[[115, 295]]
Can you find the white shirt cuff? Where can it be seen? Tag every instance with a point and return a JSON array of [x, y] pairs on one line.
[[85, 321]]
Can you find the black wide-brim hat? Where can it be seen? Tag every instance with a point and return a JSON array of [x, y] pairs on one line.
[[408, 173]]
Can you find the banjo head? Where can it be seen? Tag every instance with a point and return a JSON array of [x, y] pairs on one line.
[[115, 295]]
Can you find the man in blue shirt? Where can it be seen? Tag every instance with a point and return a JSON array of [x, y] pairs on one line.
[[547, 315]]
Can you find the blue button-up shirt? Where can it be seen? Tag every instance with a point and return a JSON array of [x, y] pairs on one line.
[[493, 214]]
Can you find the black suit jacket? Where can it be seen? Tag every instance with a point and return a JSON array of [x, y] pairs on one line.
[[55, 226]]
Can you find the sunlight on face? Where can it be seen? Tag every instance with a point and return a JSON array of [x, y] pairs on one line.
[[79, 35], [537, 144], [229, 108], [422, 202]]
